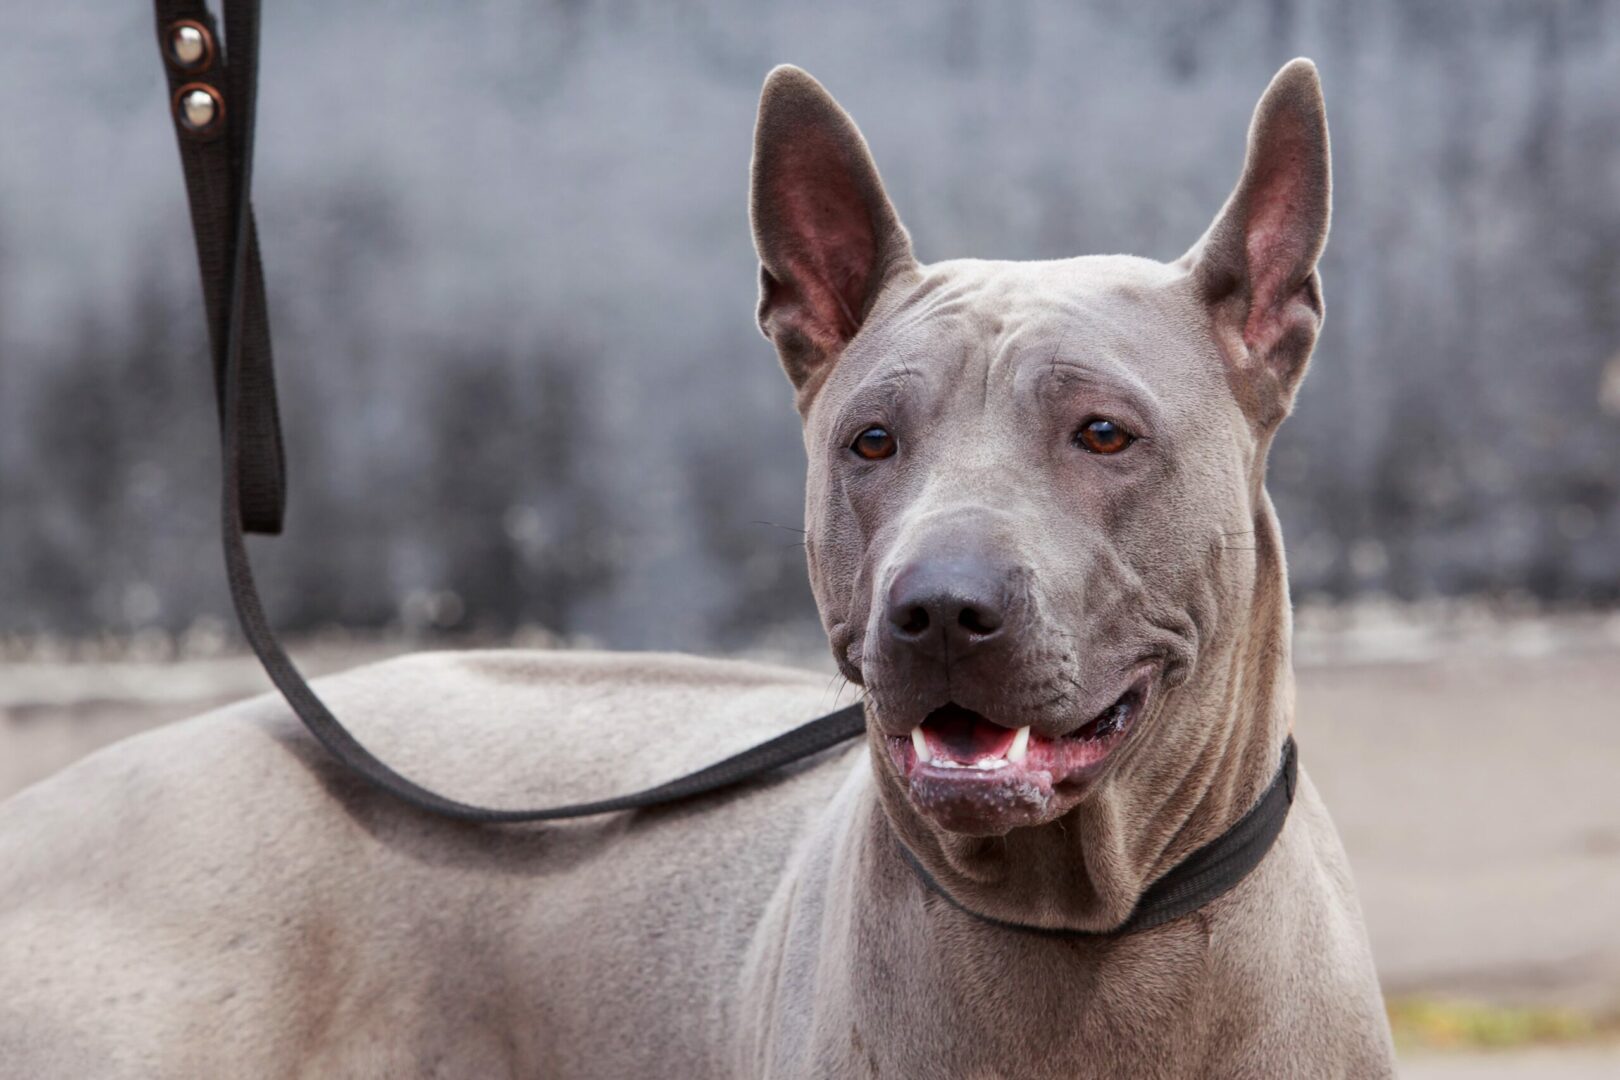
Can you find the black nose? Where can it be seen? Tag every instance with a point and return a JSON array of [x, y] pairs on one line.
[[957, 603]]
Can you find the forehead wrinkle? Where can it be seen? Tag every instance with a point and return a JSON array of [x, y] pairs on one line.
[[937, 297], [1012, 317], [1098, 335], [1108, 375], [880, 383], [938, 344]]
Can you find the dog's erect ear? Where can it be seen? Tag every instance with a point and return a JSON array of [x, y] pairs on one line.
[[826, 235], [1256, 266]]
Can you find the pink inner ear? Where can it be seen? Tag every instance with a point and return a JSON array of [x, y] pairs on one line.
[[1278, 238], [832, 246]]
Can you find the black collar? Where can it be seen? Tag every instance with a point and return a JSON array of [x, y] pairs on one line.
[[1211, 871]]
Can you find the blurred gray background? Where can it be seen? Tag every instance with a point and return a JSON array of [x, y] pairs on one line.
[[512, 287]]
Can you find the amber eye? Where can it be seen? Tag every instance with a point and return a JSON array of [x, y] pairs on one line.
[[1100, 436], [874, 444]]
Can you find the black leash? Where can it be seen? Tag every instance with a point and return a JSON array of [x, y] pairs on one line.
[[212, 101]]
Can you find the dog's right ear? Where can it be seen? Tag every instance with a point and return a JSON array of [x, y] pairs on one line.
[[827, 237]]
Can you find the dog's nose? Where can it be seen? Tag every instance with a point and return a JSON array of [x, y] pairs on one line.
[[957, 603]]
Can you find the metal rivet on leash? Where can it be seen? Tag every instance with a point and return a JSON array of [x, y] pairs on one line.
[[199, 108], [191, 46]]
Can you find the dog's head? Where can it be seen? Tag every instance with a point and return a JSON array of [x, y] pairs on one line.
[[1035, 489]]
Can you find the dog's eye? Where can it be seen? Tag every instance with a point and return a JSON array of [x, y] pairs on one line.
[[1101, 436], [874, 444]]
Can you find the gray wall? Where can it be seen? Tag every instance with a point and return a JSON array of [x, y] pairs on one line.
[[512, 288]]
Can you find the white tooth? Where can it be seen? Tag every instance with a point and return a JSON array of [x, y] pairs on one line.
[[921, 745], [990, 763], [1020, 745]]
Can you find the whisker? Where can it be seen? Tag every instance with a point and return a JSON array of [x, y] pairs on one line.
[[830, 682]]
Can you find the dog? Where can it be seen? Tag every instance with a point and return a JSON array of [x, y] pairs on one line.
[[1040, 542]]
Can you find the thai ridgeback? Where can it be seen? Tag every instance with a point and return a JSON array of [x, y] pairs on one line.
[[1041, 544]]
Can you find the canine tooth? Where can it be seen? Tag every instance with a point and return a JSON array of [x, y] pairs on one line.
[[1020, 745], [921, 744]]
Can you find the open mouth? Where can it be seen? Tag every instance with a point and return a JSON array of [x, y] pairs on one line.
[[966, 769], [952, 737]]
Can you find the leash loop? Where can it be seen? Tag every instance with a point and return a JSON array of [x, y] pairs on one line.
[[213, 91]]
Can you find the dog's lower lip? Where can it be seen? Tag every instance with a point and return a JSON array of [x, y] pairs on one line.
[[973, 775]]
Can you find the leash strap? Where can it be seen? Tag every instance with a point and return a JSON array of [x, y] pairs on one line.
[[212, 98], [212, 152], [1211, 871]]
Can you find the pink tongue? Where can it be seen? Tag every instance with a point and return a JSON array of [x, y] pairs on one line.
[[964, 736]]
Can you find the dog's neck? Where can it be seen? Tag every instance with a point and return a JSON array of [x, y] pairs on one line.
[[1203, 759]]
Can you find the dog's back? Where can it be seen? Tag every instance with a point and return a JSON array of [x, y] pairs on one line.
[[217, 898]]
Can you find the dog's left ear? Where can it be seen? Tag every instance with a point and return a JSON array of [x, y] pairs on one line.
[[827, 237], [1256, 266]]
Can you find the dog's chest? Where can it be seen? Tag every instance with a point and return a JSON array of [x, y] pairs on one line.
[[952, 998], [991, 1003]]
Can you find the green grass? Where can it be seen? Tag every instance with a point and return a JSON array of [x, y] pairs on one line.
[[1422, 1023]]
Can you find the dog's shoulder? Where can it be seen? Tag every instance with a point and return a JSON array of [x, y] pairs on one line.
[[1290, 952]]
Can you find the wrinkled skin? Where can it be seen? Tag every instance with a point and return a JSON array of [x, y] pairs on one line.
[[1124, 562], [217, 898]]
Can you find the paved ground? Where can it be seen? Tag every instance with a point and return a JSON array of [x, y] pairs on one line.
[[1575, 1063], [1480, 803], [1474, 772]]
